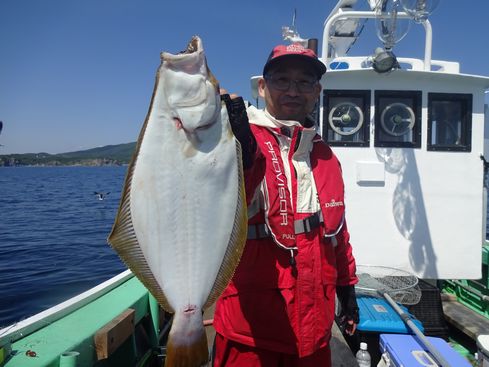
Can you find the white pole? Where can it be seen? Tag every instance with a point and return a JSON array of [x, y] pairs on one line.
[[427, 45], [434, 352]]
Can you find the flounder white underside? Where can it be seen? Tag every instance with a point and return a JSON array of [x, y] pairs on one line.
[[181, 224]]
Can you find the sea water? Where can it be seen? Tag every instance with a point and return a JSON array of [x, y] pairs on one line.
[[53, 232]]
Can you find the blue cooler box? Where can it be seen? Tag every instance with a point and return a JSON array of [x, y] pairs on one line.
[[377, 315], [405, 351]]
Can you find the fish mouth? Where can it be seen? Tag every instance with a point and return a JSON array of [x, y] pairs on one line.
[[188, 58], [194, 46], [191, 91]]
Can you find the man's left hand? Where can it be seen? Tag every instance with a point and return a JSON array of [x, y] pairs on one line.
[[349, 317]]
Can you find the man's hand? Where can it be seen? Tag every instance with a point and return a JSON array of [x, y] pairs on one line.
[[349, 317], [223, 91], [240, 125]]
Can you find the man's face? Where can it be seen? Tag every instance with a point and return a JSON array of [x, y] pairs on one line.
[[285, 90]]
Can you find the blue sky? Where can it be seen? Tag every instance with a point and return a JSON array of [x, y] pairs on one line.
[[79, 74]]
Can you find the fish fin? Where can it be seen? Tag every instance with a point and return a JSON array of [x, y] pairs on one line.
[[122, 237], [187, 341], [212, 78], [237, 239]]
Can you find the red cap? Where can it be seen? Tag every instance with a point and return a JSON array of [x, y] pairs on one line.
[[297, 51]]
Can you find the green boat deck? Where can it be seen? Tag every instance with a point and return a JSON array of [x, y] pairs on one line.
[[69, 341]]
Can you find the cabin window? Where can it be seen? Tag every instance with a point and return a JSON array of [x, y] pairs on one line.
[[346, 117], [449, 122], [398, 119]]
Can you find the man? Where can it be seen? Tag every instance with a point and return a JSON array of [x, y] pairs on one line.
[[278, 309]]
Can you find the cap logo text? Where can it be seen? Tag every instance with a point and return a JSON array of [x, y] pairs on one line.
[[295, 48]]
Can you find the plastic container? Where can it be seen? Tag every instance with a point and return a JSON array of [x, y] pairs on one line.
[[363, 356], [429, 310], [483, 350], [377, 317], [406, 351]]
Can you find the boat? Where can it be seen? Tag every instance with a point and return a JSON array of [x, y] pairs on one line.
[[412, 135]]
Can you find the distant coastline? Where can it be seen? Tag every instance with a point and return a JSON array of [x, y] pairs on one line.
[[108, 155]]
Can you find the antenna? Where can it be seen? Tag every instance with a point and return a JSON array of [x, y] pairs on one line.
[[290, 33]]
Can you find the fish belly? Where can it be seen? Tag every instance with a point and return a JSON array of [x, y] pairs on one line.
[[183, 207]]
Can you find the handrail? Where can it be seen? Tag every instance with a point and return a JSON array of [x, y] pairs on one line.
[[371, 14], [16, 331]]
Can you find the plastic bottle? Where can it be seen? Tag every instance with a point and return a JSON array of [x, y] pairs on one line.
[[363, 356]]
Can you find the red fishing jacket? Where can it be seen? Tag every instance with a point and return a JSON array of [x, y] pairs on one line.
[[282, 295]]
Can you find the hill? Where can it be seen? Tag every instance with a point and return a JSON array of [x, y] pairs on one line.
[[108, 155]]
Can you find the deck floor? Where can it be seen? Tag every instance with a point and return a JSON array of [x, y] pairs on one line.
[[342, 355]]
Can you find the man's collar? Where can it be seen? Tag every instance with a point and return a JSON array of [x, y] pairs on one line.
[[264, 118]]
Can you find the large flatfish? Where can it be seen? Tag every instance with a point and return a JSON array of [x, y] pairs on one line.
[[181, 224]]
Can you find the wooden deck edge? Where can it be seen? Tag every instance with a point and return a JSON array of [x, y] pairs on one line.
[[463, 318], [113, 334]]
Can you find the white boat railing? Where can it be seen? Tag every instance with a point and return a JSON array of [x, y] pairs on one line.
[[343, 15], [16, 331]]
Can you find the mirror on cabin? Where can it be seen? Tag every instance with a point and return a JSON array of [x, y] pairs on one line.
[[346, 116]]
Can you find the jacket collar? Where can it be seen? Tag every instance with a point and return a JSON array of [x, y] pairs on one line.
[[263, 118]]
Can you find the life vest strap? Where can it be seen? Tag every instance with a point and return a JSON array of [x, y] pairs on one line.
[[258, 231], [261, 230], [308, 224]]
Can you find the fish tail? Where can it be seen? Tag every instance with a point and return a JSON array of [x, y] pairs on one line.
[[187, 342]]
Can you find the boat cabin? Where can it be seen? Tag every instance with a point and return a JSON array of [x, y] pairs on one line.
[[410, 144]]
